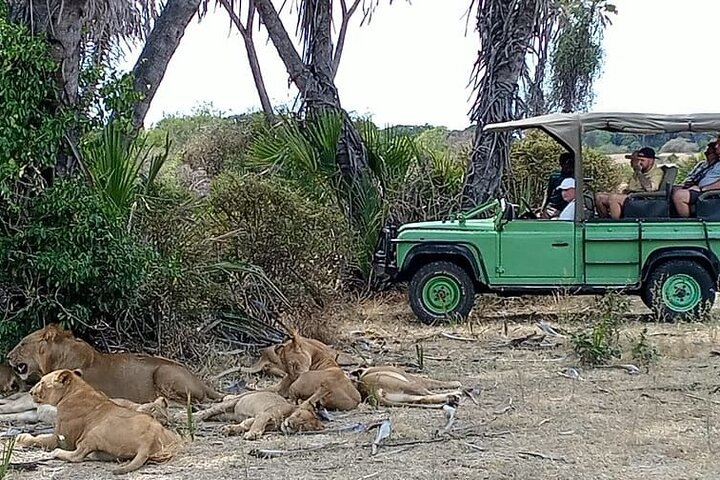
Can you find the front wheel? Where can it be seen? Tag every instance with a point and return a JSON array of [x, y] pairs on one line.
[[440, 291], [679, 288]]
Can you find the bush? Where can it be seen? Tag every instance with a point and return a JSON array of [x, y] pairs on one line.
[[679, 145], [222, 145], [303, 247], [71, 261], [534, 157]]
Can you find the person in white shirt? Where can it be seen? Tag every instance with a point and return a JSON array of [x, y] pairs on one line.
[[567, 189]]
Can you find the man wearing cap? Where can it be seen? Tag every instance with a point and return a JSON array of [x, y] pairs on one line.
[[567, 190], [705, 176], [646, 178]]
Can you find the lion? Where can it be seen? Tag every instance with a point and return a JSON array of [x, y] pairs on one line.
[[261, 411], [313, 374], [392, 386], [24, 410], [88, 422], [10, 382], [133, 376], [271, 364]]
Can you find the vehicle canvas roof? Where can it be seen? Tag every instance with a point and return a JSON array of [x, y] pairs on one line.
[[568, 127]]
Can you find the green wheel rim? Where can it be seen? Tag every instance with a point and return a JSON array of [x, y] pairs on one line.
[[441, 294], [681, 293]]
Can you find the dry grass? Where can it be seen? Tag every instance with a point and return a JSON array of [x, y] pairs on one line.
[[659, 424]]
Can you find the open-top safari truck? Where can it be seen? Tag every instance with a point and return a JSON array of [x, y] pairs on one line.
[[671, 263]]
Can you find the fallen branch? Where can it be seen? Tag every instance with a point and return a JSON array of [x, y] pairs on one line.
[[271, 453]]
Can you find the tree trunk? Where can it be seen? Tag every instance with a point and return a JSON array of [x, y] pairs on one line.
[[159, 48], [506, 31], [314, 77], [247, 34]]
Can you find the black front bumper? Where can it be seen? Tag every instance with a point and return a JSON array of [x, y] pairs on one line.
[[384, 259]]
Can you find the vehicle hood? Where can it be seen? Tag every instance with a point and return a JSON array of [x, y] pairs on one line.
[[483, 224]]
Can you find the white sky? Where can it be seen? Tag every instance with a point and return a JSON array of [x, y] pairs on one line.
[[412, 64]]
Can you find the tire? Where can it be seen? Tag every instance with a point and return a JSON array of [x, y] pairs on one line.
[[679, 289], [440, 291]]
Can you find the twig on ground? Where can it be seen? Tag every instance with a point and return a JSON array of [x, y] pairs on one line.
[[452, 336], [695, 397], [475, 447], [542, 456], [272, 453], [227, 372], [506, 408]]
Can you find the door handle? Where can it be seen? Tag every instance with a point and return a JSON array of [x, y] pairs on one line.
[[560, 244]]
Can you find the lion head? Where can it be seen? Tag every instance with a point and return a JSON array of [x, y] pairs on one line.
[[303, 419], [157, 409], [36, 352], [53, 387]]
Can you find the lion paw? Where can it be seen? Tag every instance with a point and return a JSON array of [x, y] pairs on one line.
[[252, 435]]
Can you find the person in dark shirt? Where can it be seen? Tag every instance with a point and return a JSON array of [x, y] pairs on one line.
[[554, 203]]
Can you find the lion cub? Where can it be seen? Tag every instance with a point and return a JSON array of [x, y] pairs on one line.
[[263, 410], [89, 422]]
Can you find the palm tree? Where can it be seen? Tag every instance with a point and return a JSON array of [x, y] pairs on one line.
[[507, 29]]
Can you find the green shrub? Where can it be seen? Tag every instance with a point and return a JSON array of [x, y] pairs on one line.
[[302, 246], [71, 260]]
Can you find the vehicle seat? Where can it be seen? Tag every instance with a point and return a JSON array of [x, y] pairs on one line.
[[652, 204], [708, 206], [589, 205]]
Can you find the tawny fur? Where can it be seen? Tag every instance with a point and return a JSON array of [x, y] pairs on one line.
[[89, 422], [393, 386], [271, 364], [261, 411], [137, 377], [313, 374]]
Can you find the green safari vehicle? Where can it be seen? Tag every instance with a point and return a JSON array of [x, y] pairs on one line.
[[671, 263]]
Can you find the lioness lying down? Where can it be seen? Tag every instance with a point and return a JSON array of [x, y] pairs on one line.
[[22, 409], [137, 377], [88, 422], [313, 374], [262, 411], [392, 386], [271, 364]]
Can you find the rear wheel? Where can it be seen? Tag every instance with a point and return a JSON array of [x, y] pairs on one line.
[[679, 289], [440, 291]]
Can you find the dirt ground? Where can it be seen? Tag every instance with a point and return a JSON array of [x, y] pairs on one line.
[[529, 421]]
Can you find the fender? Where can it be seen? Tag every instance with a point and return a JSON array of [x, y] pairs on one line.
[[447, 251], [699, 254]]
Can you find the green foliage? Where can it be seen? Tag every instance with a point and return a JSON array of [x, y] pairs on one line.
[[536, 155], [419, 176], [31, 129], [302, 247], [685, 166], [6, 456], [601, 343], [643, 350], [105, 93], [577, 53], [72, 260], [120, 169]]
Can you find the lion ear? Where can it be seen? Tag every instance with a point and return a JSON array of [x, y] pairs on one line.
[[162, 402], [51, 332], [65, 377], [78, 372]]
